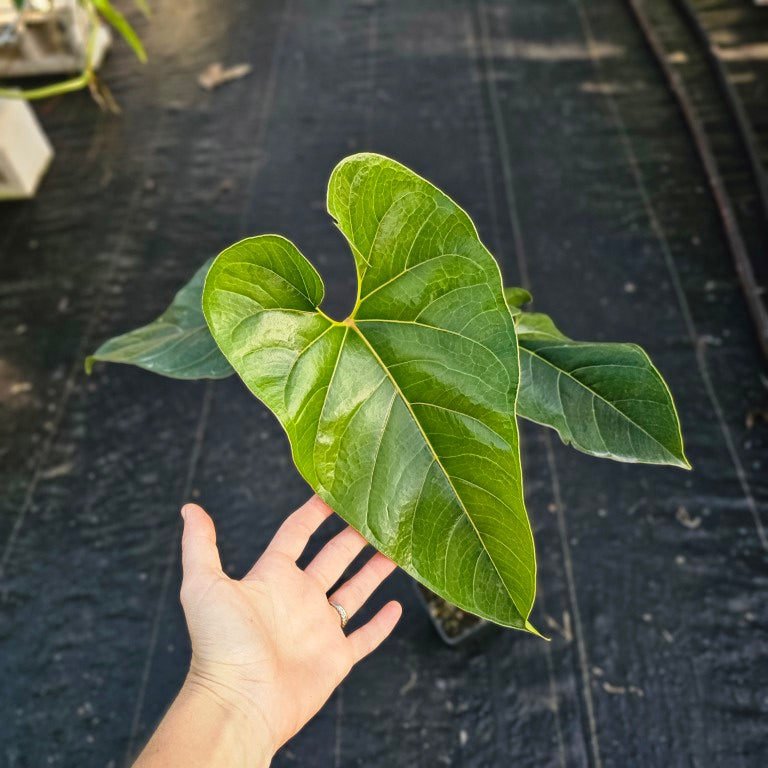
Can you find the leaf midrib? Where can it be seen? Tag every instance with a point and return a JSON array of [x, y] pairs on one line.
[[351, 324]]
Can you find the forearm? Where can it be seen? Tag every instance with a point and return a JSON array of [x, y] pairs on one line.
[[204, 730]]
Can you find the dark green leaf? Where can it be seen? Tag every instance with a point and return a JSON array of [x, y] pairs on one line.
[[401, 416], [604, 399], [177, 344], [121, 24]]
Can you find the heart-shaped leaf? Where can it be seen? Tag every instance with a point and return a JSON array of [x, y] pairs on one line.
[[605, 399], [402, 416], [178, 344]]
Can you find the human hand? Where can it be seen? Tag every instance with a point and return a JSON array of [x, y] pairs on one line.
[[270, 646]]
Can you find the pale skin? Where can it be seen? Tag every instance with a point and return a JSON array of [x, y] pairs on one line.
[[268, 649]]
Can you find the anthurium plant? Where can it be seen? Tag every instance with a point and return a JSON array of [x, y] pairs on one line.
[[403, 415]]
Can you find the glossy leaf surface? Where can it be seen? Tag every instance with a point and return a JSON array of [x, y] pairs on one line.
[[401, 416], [178, 344], [605, 399]]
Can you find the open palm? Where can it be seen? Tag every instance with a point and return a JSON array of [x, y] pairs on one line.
[[271, 644]]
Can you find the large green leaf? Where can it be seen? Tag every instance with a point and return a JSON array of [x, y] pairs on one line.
[[402, 415], [177, 344], [604, 399]]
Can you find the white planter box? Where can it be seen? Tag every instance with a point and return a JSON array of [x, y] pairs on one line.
[[50, 41], [25, 152]]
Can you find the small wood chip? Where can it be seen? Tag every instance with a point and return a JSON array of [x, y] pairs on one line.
[[217, 74], [749, 52], [677, 57], [623, 690], [684, 518]]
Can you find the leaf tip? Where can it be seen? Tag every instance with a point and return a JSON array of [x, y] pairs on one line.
[[680, 459], [530, 628], [139, 51]]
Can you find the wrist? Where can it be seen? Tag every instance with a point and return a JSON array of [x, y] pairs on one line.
[[238, 719]]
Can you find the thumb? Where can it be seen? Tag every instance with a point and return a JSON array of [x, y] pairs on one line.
[[199, 554]]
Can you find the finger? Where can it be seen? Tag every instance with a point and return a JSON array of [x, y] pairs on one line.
[[353, 593], [292, 536], [331, 561], [198, 542], [371, 635]]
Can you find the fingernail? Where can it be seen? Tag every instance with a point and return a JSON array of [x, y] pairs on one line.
[[184, 513]]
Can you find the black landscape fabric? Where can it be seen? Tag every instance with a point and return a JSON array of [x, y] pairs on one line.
[[552, 124]]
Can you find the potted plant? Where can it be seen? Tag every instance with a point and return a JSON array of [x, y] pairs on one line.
[[45, 37], [403, 415], [48, 37]]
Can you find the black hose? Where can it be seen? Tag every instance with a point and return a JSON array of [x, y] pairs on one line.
[[752, 291], [734, 102]]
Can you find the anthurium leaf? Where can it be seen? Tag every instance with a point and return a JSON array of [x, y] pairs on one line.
[[122, 25], [178, 344], [605, 399], [516, 298], [401, 416]]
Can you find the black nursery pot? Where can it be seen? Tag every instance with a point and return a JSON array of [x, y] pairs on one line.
[[452, 624]]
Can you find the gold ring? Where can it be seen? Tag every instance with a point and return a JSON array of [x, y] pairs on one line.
[[342, 613]]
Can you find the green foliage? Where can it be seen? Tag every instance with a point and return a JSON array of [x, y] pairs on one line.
[[604, 399], [143, 6], [516, 298], [87, 78], [121, 25], [402, 416], [177, 344]]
